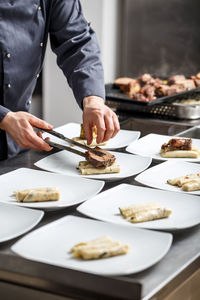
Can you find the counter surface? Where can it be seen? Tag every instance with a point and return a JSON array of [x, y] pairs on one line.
[[182, 260]]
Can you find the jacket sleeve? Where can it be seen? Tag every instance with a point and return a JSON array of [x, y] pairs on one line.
[[78, 54], [3, 112]]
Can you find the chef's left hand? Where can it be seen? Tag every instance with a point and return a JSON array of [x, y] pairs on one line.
[[95, 112]]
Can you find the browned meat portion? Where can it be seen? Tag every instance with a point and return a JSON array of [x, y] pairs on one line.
[[106, 160], [157, 82], [177, 144], [139, 97], [130, 88], [166, 90], [197, 82], [188, 84], [198, 75], [145, 78], [176, 79], [148, 91], [123, 81]]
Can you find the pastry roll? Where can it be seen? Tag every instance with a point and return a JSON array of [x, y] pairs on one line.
[[183, 179], [194, 153], [88, 169], [144, 212], [192, 185], [37, 194], [99, 248]]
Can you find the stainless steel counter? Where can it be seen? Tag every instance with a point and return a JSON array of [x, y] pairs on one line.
[[17, 273]]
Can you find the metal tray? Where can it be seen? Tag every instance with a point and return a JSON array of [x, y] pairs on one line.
[[113, 93], [193, 132], [167, 109]]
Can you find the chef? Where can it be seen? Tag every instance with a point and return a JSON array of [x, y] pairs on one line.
[[24, 28]]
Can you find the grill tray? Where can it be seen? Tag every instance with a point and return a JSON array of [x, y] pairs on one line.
[[113, 93], [168, 109]]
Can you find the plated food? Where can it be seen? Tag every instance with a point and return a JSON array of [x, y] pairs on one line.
[[37, 194], [188, 183], [65, 188], [51, 244], [88, 169], [179, 147], [103, 163], [146, 88], [99, 248], [145, 212], [171, 170], [105, 207], [150, 145], [82, 139]]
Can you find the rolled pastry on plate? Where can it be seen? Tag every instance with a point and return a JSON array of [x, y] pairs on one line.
[[193, 185], [37, 194], [179, 181], [88, 169], [194, 153], [99, 248], [138, 213]]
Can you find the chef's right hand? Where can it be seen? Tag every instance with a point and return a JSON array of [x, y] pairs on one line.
[[19, 126]]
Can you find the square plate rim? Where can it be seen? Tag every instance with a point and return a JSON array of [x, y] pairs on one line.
[[56, 205], [27, 210], [81, 208], [161, 166], [112, 225]]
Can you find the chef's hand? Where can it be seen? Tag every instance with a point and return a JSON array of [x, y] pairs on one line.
[[95, 112], [19, 126]]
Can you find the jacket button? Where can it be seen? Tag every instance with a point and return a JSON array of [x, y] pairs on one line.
[[8, 55], [29, 102], [41, 44], [39, 7], [38, 75], [9, 85]]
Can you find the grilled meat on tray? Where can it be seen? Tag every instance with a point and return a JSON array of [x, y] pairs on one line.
[[146, 88]]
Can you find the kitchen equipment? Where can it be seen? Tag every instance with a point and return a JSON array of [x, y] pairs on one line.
[[193, 133], [167, 107], [70, 141]]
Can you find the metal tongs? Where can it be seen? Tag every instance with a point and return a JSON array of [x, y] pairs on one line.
[[66, 139]]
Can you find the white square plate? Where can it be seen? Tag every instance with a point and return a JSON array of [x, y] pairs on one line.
[[51, 244], [158, 175], [65, 162], [150, 145], [70, 130], [15, 221], [105, 207], [25, 178]]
